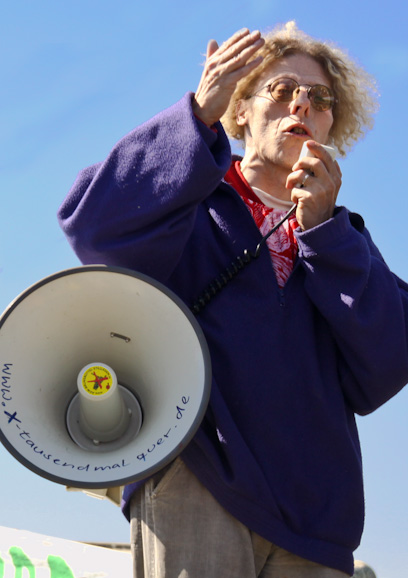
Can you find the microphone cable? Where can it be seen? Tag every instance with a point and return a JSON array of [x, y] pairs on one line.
[[230, 272]]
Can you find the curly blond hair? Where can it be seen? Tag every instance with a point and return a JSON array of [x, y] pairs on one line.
[[354, 89]]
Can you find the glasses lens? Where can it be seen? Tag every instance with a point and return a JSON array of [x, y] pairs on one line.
[[321, 97], [283, 89], [286, 89]]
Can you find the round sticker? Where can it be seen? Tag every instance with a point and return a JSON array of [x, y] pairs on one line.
[[97, 380]]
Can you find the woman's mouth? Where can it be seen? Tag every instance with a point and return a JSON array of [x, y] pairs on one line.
[[298, 130]]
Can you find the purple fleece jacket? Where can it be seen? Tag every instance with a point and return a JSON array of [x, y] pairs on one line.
[[278, 446]]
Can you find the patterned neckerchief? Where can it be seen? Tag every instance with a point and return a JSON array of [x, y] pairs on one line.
[[281, 244]]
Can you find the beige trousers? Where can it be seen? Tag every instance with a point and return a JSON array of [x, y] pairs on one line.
[[178, 530]]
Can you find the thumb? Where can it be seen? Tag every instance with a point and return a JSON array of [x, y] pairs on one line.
[[212, 47]]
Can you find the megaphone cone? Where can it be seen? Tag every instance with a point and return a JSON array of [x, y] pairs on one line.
[[107, 317]]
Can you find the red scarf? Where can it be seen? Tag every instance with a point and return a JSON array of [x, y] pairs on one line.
[[281, 244]]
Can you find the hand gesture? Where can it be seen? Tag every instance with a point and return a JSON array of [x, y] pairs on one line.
[[225, 65]]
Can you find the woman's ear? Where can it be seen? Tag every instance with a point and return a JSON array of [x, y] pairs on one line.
[[241, 112]]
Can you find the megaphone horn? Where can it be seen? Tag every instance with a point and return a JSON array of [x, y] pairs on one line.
[[105, 377]]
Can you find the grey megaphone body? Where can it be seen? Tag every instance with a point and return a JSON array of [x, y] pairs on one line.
[[105, 377]]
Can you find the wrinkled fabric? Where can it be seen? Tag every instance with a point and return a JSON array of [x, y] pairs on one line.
[[170, 504]]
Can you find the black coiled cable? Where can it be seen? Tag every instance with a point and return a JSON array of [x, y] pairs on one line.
[[230, 272]]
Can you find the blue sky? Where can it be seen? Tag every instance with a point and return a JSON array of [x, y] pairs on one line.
[[78, 75]]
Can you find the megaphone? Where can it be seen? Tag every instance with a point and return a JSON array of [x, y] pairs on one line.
[[122, 342]]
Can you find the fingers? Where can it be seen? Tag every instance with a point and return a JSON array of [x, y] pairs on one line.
[[224, 67], [241, 42], [234, 53], [321, 166], [315, 183]]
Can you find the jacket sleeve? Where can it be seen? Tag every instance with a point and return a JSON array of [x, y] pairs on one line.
[[138, 207], [365, 304]]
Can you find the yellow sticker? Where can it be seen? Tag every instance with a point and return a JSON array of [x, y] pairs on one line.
[[97, 380]]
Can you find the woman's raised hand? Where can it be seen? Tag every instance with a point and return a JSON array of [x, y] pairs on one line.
[[225, 65]]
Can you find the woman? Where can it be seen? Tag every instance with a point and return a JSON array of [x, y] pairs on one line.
[[308, 329]]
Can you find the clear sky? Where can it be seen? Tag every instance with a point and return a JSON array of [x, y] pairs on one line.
[[78, 75]]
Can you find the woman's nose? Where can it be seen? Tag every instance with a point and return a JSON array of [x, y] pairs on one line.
[[301, 102]]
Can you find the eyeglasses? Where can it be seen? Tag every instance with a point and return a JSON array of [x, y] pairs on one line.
[[287, 89]]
